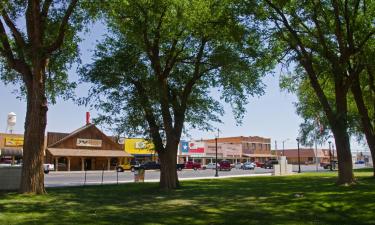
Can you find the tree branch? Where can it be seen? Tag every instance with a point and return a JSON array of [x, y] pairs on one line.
[[15, 32], [62, 30]]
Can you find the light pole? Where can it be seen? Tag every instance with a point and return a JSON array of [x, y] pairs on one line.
[[333, 156], [283, 145], [330, 155], [299, 160], [216, 173]]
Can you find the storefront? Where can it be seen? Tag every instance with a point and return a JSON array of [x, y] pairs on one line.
[[141, 149], [11, 148], [87, 148]]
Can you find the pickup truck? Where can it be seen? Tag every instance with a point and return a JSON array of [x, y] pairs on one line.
[[192, 165]]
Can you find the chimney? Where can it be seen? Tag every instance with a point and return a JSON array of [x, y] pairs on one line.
[[87, 118]]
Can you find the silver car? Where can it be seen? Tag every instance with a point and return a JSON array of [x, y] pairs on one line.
[[211, 166], [248, 166]]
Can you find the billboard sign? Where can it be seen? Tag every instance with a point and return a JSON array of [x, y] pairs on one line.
[[139, 146], [89, 142], [14, 141]]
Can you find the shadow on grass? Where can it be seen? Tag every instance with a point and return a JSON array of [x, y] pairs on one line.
[[306, 199]]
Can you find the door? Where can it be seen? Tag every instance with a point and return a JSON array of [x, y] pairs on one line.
[[88, 164]]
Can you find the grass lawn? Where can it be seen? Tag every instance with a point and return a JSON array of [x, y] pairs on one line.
[[310, 198]]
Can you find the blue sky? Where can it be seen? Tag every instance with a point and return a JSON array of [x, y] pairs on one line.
[[271, 115]]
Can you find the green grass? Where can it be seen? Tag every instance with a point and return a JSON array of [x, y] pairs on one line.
[[309, 198]]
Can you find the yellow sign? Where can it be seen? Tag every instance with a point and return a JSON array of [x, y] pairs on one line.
[[13, 141], [139, 146]]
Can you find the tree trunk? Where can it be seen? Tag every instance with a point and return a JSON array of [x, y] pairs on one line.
[[32, 180], [344, 155], [367, 127], [168, 170]]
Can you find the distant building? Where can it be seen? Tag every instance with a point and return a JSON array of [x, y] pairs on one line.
[[233, 149], [11, 148], [307, 155], [87, 148], [142, 149]]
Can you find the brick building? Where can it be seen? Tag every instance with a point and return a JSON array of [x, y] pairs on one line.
[[234, 149], [307, 155]]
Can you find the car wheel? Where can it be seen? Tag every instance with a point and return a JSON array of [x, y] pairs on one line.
[[179, 169], [46, 171], [119, 169], [195, 168]]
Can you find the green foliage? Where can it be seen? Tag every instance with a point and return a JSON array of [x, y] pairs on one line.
[[199, 43], [60, 61]]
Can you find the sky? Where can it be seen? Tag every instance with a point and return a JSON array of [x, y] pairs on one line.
[[272, 115]]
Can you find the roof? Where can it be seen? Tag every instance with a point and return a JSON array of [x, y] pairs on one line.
[[87, 152], [11, 151], [61, 137]]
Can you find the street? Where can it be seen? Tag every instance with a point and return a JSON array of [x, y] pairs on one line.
[[77, 178]]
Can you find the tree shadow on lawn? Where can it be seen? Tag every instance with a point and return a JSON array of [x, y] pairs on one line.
[[305, 199]]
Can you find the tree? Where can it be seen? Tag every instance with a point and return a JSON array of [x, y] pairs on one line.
[[36, 57], [156, 70], [318, 40]]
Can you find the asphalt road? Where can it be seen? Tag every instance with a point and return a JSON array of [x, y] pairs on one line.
[[77, 178]]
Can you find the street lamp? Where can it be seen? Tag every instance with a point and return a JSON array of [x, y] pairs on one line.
[[299, 160], [333, 153], [216, 173], [330, 155], [283, 145]]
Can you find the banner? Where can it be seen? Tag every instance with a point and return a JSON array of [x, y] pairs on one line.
[[184, 145], [196, 147]]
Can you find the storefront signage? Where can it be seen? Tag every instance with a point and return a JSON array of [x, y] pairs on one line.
[[89, 142], [138, 146], [13, 142]]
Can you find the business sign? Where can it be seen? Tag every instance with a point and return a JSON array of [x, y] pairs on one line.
[[138, 146], [184, 145], [196, 147], [13, 141], [89, 142]]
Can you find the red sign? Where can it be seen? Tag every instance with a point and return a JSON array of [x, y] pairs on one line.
[[196, 147]]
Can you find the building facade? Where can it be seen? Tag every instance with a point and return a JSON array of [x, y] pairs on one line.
[[87, 148], [233, 149], [143, 150], [11, 148], [307, 155]]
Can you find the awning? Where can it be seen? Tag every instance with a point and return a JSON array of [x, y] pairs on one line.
[[11, 151], [87, 152], [259, 155]]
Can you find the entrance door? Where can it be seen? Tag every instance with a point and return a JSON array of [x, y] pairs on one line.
[[88, 164]]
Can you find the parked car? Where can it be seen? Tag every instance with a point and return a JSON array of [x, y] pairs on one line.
[[149, 166], [225, 165], [238, 165], [327, 165], [127, 166], [269, 164], [211, 166], [180, 166], [360, 162], [192, 165], [248, 166], [259, 164], [48, 167]]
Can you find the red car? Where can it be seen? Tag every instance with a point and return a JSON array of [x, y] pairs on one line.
[[192, 165], [259, 164], [225, 165]]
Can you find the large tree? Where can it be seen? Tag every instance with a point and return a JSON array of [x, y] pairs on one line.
[[37, 41], [321, 35], [161, 62]]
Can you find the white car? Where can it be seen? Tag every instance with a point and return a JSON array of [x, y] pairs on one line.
[[211, 166], [238, 165], [249, 166], [48, 167]]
